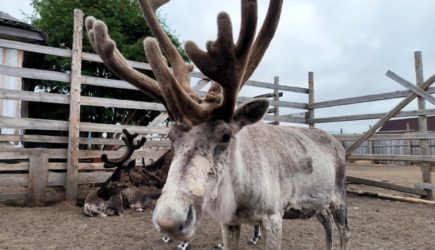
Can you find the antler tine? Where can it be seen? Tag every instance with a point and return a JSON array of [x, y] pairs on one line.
[[264, 37], [180, 69], [180, 103], [224, 62], [105, 47], [131, 147]]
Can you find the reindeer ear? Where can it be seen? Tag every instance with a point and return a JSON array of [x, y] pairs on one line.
[[250, 112]]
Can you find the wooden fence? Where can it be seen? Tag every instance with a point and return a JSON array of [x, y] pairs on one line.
[[416, 148], [44, 174]]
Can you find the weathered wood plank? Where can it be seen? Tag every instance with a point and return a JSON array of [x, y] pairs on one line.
[[283, 104], [259, 84], [33, 138], [85, 100], [14, 180], [59, 179], [33, 96], [144, 152], [34, 73], [366, 98], [74, 114], [37, 180], [117, 103], [311, 100], [391, 197], [44, 124], [370, 116], [284, 118], [35, 48], [374, 165], [82, 140], [31, 123], [414, 158], [422, 123], [21, 166], [271, 86], [410, 190], [108, 83], [24, 153], [411, 87], [404, 136], [158, 120], [97, 58], [425, 186], [61, 52], [276, 99], [118, 128]]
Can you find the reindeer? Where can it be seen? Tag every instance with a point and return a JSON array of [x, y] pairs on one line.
[[132, 186], [226, 161]]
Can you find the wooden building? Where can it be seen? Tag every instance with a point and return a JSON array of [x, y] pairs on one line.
[[13, 29], [406, 125]]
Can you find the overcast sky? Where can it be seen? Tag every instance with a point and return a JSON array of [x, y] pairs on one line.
[[348, 44]]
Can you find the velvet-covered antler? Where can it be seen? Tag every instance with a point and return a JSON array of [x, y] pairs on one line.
[[181, 99], [105, 47], [228, 65], [131, 147], [224, 61], [231, 64]]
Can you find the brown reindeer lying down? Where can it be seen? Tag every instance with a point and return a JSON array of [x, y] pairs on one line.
[[133, 187]]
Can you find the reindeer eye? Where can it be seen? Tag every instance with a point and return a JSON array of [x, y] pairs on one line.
[[226, 138]]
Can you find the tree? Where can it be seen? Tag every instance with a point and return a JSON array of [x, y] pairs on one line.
[[126, 26]]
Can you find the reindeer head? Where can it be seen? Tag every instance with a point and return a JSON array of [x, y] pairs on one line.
[[107, 200], [205, 127]]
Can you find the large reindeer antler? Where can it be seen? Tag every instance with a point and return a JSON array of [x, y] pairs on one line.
[[131, 147], [228, 65]]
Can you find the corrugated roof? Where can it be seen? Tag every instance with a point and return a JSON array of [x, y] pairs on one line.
[[4, 15], [8, 20], [406, 125]]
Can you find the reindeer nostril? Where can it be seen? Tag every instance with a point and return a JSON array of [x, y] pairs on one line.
[[189, 215], [180, 228]]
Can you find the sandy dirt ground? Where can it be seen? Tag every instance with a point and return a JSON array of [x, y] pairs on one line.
[[375, 224]]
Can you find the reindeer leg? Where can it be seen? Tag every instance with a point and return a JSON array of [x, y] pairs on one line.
[[326, 219], [117, 204], [184, 245], [257, 236], [272, 226], [219, 246], [340, 217], [231, 236], [166, 239]]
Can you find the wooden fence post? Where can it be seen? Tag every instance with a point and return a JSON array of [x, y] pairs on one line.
[[276, 99], [74, 115], [310, 99], [37, 180], [422, 124], [371, 149]]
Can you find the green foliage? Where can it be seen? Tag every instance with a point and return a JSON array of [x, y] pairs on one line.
[[126, 26]]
